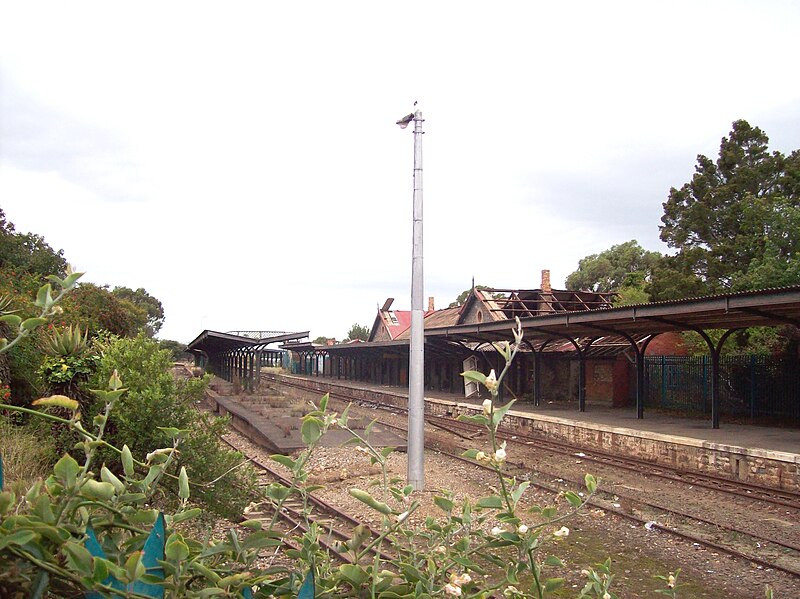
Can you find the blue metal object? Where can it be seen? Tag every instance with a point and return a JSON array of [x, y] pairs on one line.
[[152, 553], [96, 550], [308, 589]]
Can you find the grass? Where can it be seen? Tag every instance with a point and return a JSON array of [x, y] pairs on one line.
[[27, 456]]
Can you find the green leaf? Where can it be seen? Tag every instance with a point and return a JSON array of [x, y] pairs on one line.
[[474, 375], [107, 476], [78, 558], [444, 504], [284, 460], [311, 430], [323, 403], [552, 560], [20, 537], [573, 498], [354, 574], [261, 539], [44, 297], [127, 461], [212, 592], [181, 516], [66, 470], [71, 279], [31, 323], [499, 412], [44, 510], [591, 483], [516, 494], [183, 484], [59, 401], [365, 497], [176, 551], [93, 489], [491, 501], [11, 319]]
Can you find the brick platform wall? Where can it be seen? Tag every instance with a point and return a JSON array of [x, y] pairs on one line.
[[773, 469]]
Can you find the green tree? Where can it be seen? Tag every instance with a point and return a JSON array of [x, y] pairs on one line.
[[358, 331], [98, 309], [141, 299], [734, 224], [28, 252], [625, 268], [176, 349]]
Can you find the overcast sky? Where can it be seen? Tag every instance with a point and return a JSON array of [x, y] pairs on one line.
[[240, 161]]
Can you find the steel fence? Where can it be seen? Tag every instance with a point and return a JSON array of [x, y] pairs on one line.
[[752, 386]]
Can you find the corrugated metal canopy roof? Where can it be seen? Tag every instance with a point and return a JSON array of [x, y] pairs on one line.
[[214, 342], [767, 307]]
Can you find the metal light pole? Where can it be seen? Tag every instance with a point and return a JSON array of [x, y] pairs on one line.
[[416, 354]]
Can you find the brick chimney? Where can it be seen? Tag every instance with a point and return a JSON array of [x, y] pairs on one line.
[[546, 281], [430, 305]]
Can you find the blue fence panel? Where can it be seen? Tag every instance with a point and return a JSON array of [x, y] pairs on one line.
[[751, 386]]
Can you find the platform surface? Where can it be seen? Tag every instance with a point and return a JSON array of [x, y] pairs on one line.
[[782, 439]]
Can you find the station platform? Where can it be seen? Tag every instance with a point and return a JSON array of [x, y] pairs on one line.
[[768, 456]]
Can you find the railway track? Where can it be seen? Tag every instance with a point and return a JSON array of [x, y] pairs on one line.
[[339, 526], [779, 549]]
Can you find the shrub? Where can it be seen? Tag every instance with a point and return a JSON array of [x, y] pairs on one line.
[[154, 402]]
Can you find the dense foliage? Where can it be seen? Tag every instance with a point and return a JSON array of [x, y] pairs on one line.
[[734, 225], [625, 269], [28, 253], [155, 401], [358, 331], [154, 311]]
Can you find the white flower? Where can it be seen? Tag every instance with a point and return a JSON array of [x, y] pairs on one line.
[[522, 529], [481, 458], [402, 516], [441, 549], [510, 591], [487, 406], [491, 381], [496, 531], [451, 589], [460, 579], [606, 596], [500, 454], [671, 580], [561, 532], [584, 572]]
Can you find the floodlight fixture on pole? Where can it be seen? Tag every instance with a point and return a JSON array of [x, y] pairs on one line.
[[416, 352]]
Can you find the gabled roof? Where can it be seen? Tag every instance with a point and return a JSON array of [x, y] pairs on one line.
[[395, 321], [478, 295], [435, 319]]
